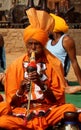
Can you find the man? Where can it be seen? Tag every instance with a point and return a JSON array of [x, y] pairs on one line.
[[47, 104], [2, 55], [2, 62], [63, 47], [2, 65]]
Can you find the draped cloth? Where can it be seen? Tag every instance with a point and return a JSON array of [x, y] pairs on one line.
[[15, 75], [41, 23], [40, 19], [35, 33]]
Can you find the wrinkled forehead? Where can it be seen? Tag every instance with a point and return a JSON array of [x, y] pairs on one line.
[[33, 41]]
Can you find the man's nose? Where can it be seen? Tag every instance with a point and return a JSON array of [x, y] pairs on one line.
[[33, 46]]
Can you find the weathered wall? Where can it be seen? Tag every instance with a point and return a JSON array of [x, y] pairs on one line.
[[14, 39], [76, 34]]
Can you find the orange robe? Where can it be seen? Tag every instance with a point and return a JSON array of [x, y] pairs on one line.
[[55, 80]]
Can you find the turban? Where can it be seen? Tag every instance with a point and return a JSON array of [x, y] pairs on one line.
[[35, 33], [60, 24]]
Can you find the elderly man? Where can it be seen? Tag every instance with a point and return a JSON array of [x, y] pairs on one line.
[[47, 92]]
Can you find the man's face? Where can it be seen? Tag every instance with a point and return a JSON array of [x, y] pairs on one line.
[[34, 45]]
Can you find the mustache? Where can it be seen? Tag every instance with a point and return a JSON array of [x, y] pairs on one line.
[[35, 51]]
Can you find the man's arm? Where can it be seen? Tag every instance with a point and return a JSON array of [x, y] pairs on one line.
[[69, 46]]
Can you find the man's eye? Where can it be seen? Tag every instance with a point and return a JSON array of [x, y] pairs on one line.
[[36, 43], [30, 43]]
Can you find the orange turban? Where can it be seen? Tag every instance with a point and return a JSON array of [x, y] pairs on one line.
[[35, 33], [60, 24]]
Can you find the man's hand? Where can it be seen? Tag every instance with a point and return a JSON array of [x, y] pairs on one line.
[[24, 86], [34, 77]]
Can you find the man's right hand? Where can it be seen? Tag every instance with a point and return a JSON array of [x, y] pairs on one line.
[[24, 86]]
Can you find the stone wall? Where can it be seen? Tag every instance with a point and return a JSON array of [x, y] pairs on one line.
[[14, 39], [76, 35]]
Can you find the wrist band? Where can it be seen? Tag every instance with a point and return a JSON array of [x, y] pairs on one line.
[[18, 95]]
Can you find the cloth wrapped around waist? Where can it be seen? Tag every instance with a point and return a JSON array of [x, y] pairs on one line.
[[33, 114], [37, 108]]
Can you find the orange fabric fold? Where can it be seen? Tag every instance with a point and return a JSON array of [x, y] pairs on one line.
[[38, 123], [40, 19], [35, 33]]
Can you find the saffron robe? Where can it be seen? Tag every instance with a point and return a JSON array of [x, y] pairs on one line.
[[54, 78]]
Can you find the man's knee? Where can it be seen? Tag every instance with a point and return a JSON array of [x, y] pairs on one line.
[[4, 108]]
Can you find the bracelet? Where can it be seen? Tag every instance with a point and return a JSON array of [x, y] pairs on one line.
[[18, 95], [45, 88]]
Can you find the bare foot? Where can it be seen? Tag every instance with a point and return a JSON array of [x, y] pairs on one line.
[[71, 89], [78, 109]]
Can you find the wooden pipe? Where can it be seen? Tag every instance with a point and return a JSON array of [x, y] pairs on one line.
[[31, 67]]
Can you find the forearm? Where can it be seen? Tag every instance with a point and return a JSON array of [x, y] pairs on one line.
[[77, 71], [16, 99], [49, 95]]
